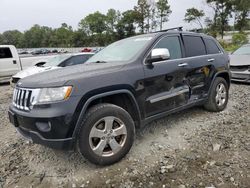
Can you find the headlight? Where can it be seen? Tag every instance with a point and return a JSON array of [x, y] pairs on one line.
[[54, 94]]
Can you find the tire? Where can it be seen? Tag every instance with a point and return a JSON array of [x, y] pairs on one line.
[[106, 125], [218, 96]]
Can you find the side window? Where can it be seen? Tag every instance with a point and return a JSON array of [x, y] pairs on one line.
[[5, 53], [194, 46], [212, 47], [172, 44]]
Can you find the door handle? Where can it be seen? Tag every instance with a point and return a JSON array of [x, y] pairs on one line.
[[14, 61], [183, 65], [210, 60]]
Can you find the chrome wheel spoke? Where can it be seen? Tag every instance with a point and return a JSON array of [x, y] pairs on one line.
[[223, 95], [100, 147], [217, 98], [120, 130], [115, 146], [109, 123], [96, 133]]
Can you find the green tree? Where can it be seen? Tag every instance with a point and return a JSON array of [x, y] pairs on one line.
[[37, 36], [194, 15], [242, 11], [1, 38], [153, 24], [80, 38], [13, 37], [93, 23], [239, 39], [62, 36], [126, 25], [142, 13], [163, 11], [222, 12], [112, 19]]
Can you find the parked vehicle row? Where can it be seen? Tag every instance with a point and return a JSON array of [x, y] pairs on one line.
[[97, 106]]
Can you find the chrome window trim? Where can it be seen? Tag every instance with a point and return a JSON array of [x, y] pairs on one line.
[[183, 58]]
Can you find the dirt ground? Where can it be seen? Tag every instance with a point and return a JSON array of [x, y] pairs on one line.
[[193, 148]]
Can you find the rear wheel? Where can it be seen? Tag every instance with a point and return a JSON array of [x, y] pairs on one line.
[[218, 97], [106, 135]]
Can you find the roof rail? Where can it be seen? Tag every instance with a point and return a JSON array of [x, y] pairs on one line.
[[174, 28]]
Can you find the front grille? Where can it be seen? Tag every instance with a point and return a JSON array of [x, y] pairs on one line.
[[24, 98], [239, 68]]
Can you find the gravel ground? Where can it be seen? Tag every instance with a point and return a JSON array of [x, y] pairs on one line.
[[193, 148]]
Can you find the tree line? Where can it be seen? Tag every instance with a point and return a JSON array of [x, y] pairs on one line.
[[98, 29]]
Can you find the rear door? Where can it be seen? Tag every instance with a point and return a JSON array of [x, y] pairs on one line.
[[200, 65], [214, 57], [165, 81], [8, 63]]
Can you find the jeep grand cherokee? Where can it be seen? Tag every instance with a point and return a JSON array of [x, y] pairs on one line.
[[96, 107]]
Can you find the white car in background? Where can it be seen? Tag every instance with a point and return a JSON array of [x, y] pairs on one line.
[[56, 62], [240, 64]]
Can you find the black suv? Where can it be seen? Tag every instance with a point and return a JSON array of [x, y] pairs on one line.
[[96, 107]]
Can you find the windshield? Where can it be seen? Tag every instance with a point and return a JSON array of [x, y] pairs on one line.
[[55, 61], [121, 51], [244, 50]]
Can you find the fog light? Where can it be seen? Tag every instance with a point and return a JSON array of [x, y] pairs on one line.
[[43, 126]]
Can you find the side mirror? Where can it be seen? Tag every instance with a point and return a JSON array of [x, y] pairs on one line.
[[158, 54], [40, 64]]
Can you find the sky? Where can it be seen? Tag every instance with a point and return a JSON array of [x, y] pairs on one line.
[[23, 14]]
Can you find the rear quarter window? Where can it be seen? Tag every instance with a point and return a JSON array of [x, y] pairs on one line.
[[194, 46], [5, 53], [212, 47]]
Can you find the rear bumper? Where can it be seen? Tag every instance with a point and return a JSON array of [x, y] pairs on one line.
[[241, 76]]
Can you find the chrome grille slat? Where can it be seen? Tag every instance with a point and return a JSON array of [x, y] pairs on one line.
[[22, 98]]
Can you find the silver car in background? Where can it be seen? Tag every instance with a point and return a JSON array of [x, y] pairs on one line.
[[56, 62], [240, 64]]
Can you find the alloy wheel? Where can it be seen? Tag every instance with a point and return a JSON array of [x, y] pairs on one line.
[[107, 136]]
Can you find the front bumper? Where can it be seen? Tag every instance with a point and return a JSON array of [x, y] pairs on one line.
[[47, 126], [241, 76], [35, 137]]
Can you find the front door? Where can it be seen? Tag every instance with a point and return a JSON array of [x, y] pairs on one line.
[[165, 81]]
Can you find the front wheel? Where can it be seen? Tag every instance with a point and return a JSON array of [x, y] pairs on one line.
[[106, 135], [218, 97]]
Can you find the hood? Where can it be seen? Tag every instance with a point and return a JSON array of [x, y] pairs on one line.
[[33, 70], [59, 77], [238, 60]]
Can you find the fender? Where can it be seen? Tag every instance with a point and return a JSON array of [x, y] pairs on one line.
[[85, 106], [217, 75]]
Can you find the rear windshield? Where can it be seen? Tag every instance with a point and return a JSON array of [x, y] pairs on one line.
[[5, 53]]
